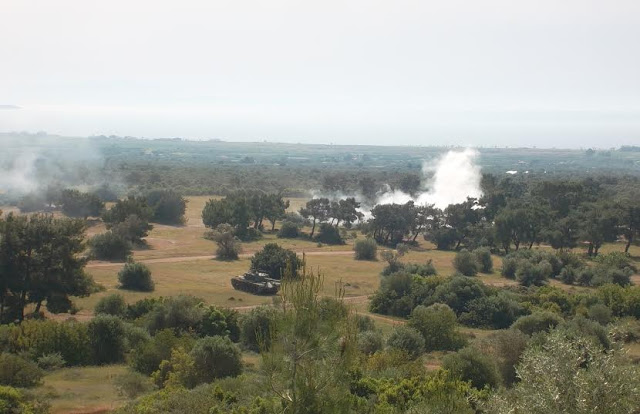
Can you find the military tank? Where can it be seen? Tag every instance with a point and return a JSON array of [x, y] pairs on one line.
[[258, 283]]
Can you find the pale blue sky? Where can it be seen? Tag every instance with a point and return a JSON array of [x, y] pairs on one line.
[[495, 72]]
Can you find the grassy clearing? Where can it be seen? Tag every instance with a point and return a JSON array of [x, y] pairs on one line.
[[83, 389]]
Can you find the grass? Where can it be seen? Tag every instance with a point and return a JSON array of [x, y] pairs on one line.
[[83, 389]]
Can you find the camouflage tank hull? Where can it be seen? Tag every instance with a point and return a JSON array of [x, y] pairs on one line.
[[256, 288]]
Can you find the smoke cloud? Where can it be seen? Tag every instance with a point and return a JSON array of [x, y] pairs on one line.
[[455, 177]]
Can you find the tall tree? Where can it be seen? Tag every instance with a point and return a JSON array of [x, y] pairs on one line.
[[318, 210]]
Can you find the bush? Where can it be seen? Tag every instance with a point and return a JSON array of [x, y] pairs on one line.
[[504, 347], [229, 246], [437, 324], [370, 342], [537, 322], [147, 356], [132, 384], [216, 357], [274, 260], [529, 274], [181, 313], [406, 339], [107, 339], [365, 323], [51, 362], [288, 230], [427, 269], [168, 206], [509, 267], [113, 304], [132, 229], [366, 249], [136, 276], [600, 313], [37, 338], [329, 234], [15, 401], [470, 365], [256, 328], [110, 246], [135, 336], [484, 260], [18, 372], [465, 263]]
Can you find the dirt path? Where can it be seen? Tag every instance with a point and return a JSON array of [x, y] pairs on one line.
[[178, 259]]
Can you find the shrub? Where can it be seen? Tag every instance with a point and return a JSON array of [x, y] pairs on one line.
[[465, 263], [274, 260], [18, 372], [132, 229], [288, 230], [181, 313], [470, 365], [529, 274], [427, 269], [113, 304], [109, 246], [600, 313], [458, 292], [132, 384], [107, 339], [216, 357], [437, 324], [370, 342], [13, 400], [504, 347], [484, 260], [406, 339], [537, 322], [135, 336], [51, 362], [256, 328], [328, 234], [509, 267], [168, 206], [141, 307], [136, 276], [229, 246], [366, 249], [37, 338], [365, 323], [147, 356]]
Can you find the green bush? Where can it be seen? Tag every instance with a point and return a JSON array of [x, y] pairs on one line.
[[484, 260], [113, 304], [437, 324], [136, 276], [216, 357], [110, 246], [469, 364], [168, 206], [148, 355], [13, 400], [51, 362], [288, 230], [465, 263], [408, 340], [256, 327], [600, 313], [370, 342], [329, 234], [274, 260], [37, 338], [509, 267], [18, 372], [366, 249], [537, 322], [107, 339], [182, 313]]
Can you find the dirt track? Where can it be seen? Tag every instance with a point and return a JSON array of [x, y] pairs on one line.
[[210, 257]]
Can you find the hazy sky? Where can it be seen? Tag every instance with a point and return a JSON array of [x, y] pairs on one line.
[[547, 73]]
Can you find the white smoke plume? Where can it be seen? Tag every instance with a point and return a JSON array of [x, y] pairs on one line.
[[19, 173], [455, 177]]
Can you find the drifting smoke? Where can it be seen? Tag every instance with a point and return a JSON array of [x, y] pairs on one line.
[[19, 174], [455, 177]]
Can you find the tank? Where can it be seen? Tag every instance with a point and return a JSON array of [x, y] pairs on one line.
[[257, 283]]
